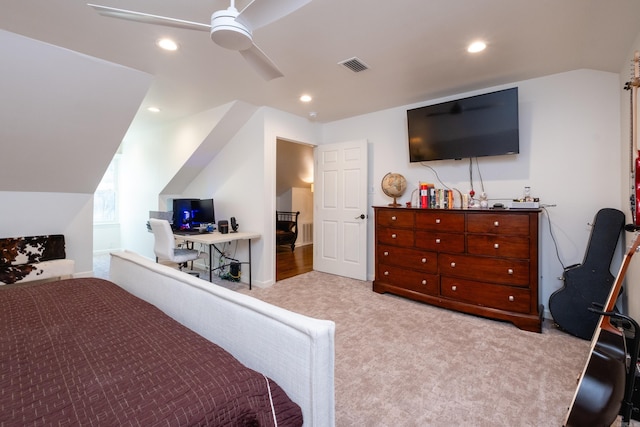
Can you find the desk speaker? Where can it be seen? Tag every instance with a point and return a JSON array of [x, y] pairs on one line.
[[223, 226]]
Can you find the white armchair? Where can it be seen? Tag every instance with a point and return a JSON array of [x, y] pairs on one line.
[[165, 245]]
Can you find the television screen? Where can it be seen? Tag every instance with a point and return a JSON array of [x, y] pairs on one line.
[[203, 212], [482, 125]]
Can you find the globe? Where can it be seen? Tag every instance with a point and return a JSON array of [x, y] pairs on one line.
[[394, 185]]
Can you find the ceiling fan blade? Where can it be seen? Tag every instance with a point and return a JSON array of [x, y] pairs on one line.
[[259, 13], [261, 63], [147, 18]]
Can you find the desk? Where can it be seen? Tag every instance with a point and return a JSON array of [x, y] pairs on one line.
[[216, 237]]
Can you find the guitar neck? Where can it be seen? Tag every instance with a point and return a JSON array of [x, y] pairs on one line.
[[635, 82], [605, 321]]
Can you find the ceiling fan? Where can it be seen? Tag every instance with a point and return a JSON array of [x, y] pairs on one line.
[[229, 28]]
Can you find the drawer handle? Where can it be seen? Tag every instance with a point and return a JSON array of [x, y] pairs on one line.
[[454, 288], [386, 273], [424, 260], [453, 265], [437, 241], [510, 271], [496, 246], [424, 281], [511, 298], [394, 235], [393, 218], [386, 253], [437, 220], [496, 223]]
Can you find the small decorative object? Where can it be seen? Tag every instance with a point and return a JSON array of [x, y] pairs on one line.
[[465, 201], [484, 200], [394, 185]]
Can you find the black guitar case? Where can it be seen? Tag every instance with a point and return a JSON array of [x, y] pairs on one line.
[[591, 281]]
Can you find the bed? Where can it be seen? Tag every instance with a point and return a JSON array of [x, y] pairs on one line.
[[140, 351]]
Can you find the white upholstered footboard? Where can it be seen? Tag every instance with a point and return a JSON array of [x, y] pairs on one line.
[[294, 350]]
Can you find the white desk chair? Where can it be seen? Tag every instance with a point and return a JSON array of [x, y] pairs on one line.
[[165, 245]]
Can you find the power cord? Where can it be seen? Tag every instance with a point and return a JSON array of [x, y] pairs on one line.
[[227, 265], [553, 238]]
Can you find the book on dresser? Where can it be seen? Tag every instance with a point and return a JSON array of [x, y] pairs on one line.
[[478, 261]]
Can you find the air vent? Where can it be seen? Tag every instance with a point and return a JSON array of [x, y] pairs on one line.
[[354, 64]]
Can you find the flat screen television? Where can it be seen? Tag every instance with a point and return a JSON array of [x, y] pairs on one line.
[[481, 125]]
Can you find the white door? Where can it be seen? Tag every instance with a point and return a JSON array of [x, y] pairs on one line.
[[340, 209]]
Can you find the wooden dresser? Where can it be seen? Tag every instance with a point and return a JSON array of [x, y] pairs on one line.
[[478, 261]]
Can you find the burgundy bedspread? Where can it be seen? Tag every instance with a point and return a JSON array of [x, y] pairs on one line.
[[86, 352]]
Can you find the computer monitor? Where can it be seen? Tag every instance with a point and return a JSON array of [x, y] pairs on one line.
[[203, 212], [183, 213]]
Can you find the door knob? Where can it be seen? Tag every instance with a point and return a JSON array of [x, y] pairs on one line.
[[361, 216]]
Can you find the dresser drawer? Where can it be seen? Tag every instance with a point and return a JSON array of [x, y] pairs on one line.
[[498, 246], [394, 236], [487, 295], [408, 279], [395, 218], [440, 220], [515, 224], [440, 242], [411, 258], [505, 271]]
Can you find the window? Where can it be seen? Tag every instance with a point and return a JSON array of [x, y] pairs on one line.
[[105, 199]]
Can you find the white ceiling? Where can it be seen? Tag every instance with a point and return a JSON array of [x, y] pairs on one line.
[[415, 49]]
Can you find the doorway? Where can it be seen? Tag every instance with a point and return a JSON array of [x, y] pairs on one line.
[[294, 192]]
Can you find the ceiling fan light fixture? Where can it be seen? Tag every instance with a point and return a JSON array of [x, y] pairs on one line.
[[229, 33]]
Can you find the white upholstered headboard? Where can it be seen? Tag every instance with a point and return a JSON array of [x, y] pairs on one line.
[[294, 350]]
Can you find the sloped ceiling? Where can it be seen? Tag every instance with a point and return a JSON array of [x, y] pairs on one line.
[[63, 114], [228, 124]]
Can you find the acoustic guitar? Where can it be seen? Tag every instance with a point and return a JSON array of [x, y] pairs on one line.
[[601, 387]]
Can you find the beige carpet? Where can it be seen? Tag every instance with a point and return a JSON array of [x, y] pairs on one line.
[[402, 363]]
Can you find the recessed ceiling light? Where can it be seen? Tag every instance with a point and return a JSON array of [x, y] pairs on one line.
[[153, 109], [305, 98], [167, 44], [477, 46]]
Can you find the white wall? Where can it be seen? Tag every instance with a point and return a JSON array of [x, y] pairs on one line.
[[106, 238], [33, 214], [241, 180], [148, 162], [302, 201], [569, 156]]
